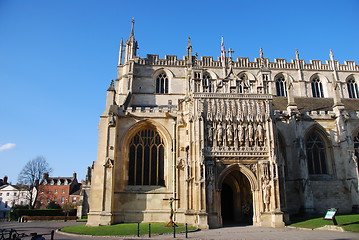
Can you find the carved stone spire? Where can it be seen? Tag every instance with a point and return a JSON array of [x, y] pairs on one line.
[[189, 52], [337, 100], [296, 54], [120, 52], [131, 44]]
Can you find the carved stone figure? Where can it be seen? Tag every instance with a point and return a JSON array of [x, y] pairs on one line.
[[219, 134], [240, 134], [250, 134], [210, 132], [266, 188], [260, 135], [230, 134]]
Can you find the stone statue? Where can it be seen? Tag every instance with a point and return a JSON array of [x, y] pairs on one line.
[[250, 134], [230, 134], [260, 134], [266, 188], [240, 134], [219, 134], [210, 132]]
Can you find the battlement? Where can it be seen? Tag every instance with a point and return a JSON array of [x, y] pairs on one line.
[[242, 62], [157, 109]]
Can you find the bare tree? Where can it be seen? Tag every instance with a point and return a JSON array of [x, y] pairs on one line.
[[32, 172]]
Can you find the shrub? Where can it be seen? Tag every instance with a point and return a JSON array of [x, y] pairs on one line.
[[53, 205]]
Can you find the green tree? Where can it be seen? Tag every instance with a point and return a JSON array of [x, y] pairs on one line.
[[66, 208], [53, 205]]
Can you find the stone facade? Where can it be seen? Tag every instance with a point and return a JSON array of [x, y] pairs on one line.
[[225, 140]]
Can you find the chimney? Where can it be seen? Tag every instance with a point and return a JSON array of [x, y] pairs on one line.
[[5, 179], [74, 175], [46, 175]]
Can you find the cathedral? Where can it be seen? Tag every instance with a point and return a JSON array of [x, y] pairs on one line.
[[210, 141]]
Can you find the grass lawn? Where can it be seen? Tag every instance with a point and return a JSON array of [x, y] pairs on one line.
[[124, 229], [349, 222]]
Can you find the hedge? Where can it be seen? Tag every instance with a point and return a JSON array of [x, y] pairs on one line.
[[47, 218], [39, 212]]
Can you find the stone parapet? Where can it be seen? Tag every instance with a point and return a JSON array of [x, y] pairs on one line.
[[242, 62]]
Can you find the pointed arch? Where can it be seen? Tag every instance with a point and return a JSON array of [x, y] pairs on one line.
[[281, 85], [318, 151], [146, 153], [352, 86], [241, 168], [162, 78]]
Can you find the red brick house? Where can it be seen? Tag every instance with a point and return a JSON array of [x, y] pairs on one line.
[[59, 190]]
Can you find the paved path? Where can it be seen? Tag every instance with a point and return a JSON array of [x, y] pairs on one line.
[[247, 233]]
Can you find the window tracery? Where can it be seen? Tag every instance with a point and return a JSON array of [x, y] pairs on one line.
[[162, 83], [317, 87], [281, 86], [316, 155], [146, 159], [352, 88]]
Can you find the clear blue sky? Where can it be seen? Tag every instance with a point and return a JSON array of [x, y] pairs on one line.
[[57, 59]]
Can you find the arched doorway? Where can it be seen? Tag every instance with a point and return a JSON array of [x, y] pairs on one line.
[[236, 199]]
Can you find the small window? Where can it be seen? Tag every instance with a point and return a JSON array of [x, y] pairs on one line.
[[56, 191], [48, 191], [74, 199], [317, 88], [15, 194], [265, 77], [162, 83], [7, 194], [352, 88], [62, 199], [42, 190], [281, 86], [63, 190]]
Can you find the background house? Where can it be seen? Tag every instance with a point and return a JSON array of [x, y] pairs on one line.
[[60, 190], [11, 195]]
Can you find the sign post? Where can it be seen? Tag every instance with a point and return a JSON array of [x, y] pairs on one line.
[[330, 215]]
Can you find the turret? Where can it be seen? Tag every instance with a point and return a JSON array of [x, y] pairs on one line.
[[131, 44], [111, 92]]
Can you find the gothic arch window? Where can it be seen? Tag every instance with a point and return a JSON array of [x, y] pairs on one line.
[[316, 153], [317, 87], [352, 88], [281, 86], [162, 83], [146, 159]]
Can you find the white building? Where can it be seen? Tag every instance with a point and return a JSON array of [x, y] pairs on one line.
[[11, 195]]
